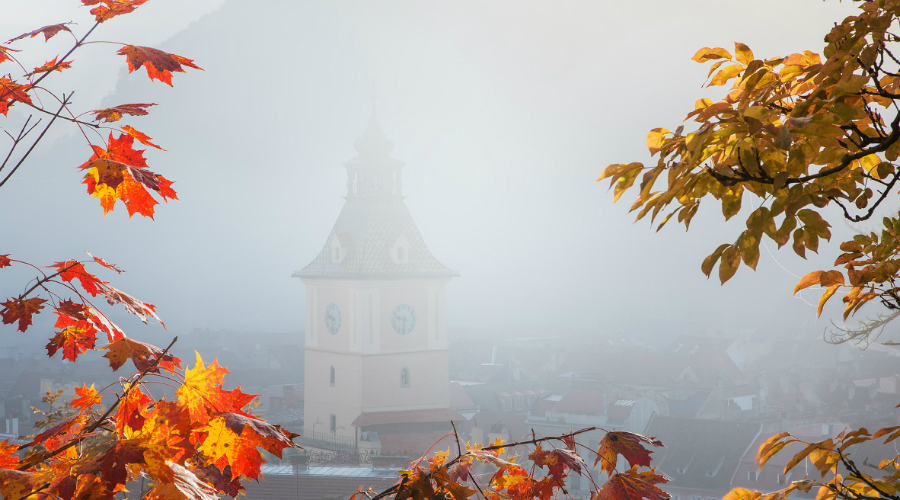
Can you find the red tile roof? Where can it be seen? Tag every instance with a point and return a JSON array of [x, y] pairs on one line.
[[582, 401]]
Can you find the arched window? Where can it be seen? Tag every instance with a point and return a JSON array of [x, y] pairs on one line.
[[400, 253], [331, 376], [335, 254], [404, 377]]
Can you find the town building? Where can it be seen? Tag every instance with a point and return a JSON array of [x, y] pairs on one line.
[[376, 354]]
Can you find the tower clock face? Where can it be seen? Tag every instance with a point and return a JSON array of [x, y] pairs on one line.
[[333, 318], [403, 319]]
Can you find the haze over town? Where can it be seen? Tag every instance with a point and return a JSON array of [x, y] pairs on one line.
[[539, 303]]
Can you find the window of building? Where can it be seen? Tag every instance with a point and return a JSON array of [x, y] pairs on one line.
[[712, 498], [332, 423], [752, 475], [694, 497], [336, 254], [331, 376], [676, 497], [520, 403], [401, 254], [404, 377]]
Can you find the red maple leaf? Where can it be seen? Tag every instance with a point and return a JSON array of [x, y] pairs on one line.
[[140, 136], [112, 8], [4, 53], [633, 485], [159, 64], [73, 340], [72, 269], [627, 444], [10, 92], [120, 173], [21, 310], [131, 410], [5, 261], [48, 32], [105, 264], [115, 113], [51, 66]]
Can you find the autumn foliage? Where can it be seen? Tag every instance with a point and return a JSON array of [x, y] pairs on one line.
[[543, 466], [200, 442], [810, 139]]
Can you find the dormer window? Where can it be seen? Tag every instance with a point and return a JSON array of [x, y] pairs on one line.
[[338, 252], [400, 251]]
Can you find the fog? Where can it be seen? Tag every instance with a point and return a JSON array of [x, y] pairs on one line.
[[504, 112]]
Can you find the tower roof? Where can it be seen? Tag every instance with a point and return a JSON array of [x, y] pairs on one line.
[[374, 235], [367, 230]]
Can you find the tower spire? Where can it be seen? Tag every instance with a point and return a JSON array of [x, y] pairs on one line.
[[373, 172]]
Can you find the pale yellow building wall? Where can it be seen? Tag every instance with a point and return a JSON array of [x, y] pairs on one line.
[[368, 354], [428, 381]]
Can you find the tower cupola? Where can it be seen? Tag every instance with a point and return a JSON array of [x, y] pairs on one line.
[[373, 172]]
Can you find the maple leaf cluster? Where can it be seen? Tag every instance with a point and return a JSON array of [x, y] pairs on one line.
[[198, 444], [115, 171], [544, 479]]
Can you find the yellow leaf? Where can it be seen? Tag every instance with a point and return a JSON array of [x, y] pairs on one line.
[[731, 259], [655, 139], [809, 280], [706, 54], [725, 74], [710, 261], [869, 162], [742, 53], [825, 296]]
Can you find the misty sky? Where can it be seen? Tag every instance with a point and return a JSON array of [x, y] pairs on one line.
[[505, 113]]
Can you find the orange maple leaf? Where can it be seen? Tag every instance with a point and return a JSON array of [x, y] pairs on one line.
[[48, 32], [141, 354], [51, 66], [633, 485], [140, 136], [185, 485], [627, 444], [112, 8], [159, 64], [8, 456], [10, 92], [21, 310], [5, 261], [72, 269], [270, 437], [120, 173], [115, 113], [85, 397], [201, 393], [131, 410]]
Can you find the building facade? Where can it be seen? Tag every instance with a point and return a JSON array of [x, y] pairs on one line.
[[375, 307]]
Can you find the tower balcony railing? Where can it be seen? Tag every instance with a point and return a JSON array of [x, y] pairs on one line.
[[327, 441]]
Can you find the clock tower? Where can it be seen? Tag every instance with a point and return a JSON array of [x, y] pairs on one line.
[[376, 340]]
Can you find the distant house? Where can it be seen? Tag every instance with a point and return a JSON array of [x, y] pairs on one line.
[[700, 456]]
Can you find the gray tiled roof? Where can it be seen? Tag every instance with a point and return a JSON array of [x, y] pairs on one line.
[[367, 229]]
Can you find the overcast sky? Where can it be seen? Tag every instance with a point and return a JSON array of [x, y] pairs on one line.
[[505, 113]]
